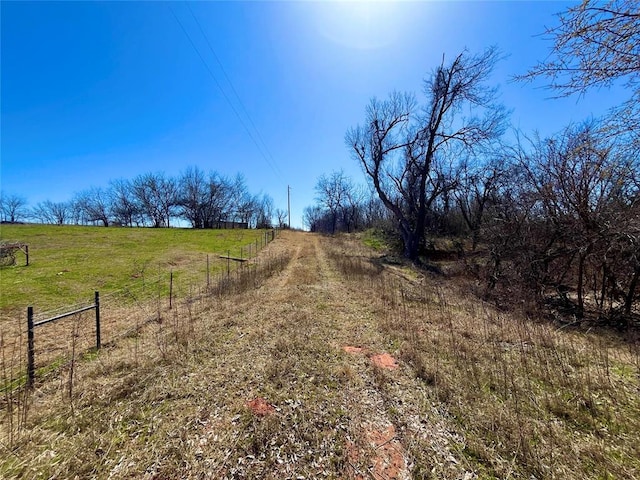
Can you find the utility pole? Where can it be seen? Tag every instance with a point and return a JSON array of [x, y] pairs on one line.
[[289, 204]]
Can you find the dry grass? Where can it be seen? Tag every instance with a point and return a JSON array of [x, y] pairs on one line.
[[135, 337], [528, 399], [478, 393], [169, 400]]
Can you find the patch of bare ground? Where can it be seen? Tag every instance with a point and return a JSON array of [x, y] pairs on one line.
[[260, 407], [280, 379]]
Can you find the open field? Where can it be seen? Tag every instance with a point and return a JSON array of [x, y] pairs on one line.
[[335, 364], [130, 267], [68, 263]]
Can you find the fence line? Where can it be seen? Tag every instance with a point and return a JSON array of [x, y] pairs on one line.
[[31, 326], [142, 296]]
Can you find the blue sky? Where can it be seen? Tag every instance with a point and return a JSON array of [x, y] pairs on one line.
[[92, 92]]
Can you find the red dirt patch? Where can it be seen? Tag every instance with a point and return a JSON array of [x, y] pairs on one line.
[[388, 462], [384, 360], [353, 350], [353, 456], [260, 407]]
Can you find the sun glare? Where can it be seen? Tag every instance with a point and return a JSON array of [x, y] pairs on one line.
[[359, 24]]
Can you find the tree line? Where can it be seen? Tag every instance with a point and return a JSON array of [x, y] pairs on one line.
[[552, 218], [154, 200], [557, 219], [343, 206]]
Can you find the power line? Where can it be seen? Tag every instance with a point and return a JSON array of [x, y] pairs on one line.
[[224, 94], [233, 89]]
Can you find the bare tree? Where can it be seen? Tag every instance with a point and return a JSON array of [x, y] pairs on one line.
[[264, 218], [56, 213], [95, 205], [157, 196], [125, 208], [12, 207], [332, 193], [585, 178], [241, 203], [219, 200], [406, 151], [281, 215], [312, 216], [207, 201], [352, 211], [477, 190], [571, 224], [192, 197], [343, 206], [590, 185], [374, 212], [595, 44]]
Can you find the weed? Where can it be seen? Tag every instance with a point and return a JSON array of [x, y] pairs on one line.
[[525, 395]]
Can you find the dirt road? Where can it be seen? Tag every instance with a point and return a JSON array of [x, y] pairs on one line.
[[332, 401]]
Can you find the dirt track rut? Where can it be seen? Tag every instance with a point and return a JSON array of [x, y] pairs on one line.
[[374, 446], [377, 406]]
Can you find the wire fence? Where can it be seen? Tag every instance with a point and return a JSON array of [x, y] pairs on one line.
[[125, 312]]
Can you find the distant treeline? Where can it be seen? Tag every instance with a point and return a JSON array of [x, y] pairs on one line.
[[344, 206], [154, 200]]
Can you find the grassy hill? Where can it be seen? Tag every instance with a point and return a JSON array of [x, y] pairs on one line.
[[68, 263]]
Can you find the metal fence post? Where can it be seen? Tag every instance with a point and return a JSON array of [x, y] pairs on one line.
[[171, 290], [31, 371], [97, 301]]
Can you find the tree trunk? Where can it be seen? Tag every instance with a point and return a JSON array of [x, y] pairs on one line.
[[628, 301], [411, 242], [475, 239], [580, 310]]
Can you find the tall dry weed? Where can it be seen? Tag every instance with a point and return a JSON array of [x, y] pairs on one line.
[[530, 399]]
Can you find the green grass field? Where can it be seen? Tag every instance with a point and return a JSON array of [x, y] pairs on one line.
[[69, 263]]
